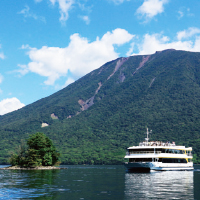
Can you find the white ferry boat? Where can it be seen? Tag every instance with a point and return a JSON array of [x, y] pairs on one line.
[[157, 155]]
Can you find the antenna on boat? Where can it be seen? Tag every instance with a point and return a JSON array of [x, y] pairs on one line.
[[147, 138]]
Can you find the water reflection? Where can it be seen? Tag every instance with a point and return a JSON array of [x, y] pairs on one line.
[[98, 182], [77, 182], [159, 185], [26, 184], [197, 182]]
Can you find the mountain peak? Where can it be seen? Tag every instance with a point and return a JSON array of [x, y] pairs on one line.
[[94, 119]]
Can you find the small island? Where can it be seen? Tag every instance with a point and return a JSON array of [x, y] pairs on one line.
[[32, 168], [37, 153]]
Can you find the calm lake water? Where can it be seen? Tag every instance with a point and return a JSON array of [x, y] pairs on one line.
[[99, 183]]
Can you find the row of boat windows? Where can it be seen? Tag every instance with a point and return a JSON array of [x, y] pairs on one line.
[[173, 160], [163, 160], [144, 151]]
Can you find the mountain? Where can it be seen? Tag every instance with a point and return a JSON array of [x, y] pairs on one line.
[[95, 119]]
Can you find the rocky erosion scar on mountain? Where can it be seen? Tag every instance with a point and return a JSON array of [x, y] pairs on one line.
[[53, 116], [89, 102], [152, 82], [120, 62], [85, 104], [97, 90], [144, 60]]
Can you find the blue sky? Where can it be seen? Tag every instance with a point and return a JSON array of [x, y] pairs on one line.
[[47, 44]]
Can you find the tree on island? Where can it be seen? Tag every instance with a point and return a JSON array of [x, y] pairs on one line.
[[39, 151]]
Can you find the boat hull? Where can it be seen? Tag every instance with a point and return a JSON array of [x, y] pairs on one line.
[[138, 167], [147, 166], [171, 166], [173, 169]]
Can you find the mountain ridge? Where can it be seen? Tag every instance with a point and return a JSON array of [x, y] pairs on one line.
[[93, 120]]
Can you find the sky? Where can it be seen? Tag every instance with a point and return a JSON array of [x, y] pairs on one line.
[[45, 45]]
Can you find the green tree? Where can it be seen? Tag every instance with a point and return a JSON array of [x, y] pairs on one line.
[[40, 152], [42, 149], [19, 158]]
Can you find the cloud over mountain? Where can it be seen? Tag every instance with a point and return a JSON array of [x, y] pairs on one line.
[[188, 40], [79, 57], [9, 105]]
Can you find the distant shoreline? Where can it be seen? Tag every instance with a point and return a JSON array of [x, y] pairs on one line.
[[31, 168]]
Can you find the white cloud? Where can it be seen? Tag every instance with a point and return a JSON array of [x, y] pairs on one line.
[[158, 42], [68, 82], [189, 14], [184, 12], [118, 1], [83, 7], [9, 105], [2, 56], [23, 69], [79, 57], [181, 14], [86, 19], [1, 78], [151, 8], [26, 12], [64, 6], [188, 33], [130, 51]]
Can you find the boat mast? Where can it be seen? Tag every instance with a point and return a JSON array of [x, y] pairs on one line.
[[147, 138]]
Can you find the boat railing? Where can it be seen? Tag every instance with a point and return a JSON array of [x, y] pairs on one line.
[[156, 152], [143, 152], [157, 143]]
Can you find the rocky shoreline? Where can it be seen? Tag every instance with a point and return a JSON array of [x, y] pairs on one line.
[[32, 168]]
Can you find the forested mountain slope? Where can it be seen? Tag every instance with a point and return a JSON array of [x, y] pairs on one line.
[[96, 118]]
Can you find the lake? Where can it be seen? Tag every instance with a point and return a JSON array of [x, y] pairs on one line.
[[99, 183]]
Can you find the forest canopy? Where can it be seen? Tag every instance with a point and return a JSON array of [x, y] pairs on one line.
[[38, 151]]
